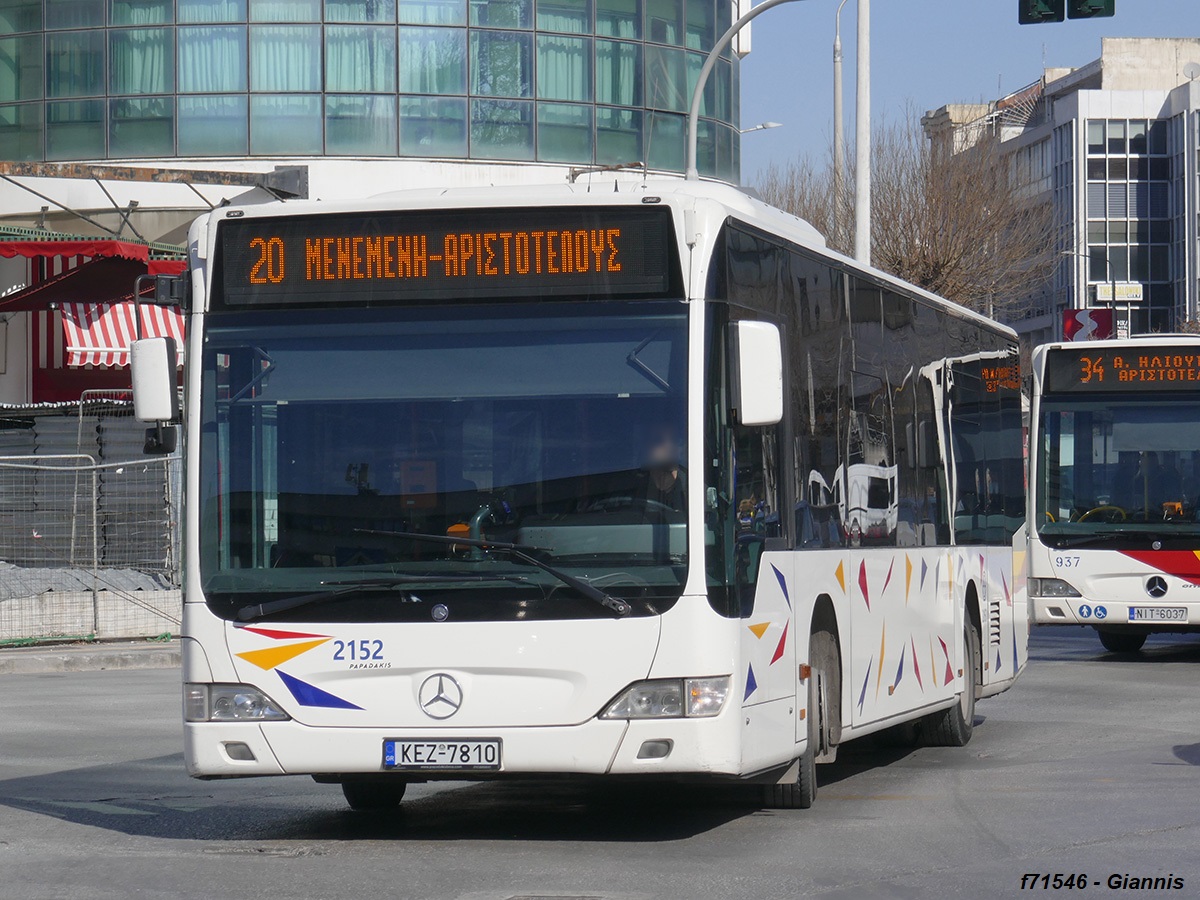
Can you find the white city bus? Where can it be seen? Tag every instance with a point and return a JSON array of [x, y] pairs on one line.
[[1115, 487], [510, 482]]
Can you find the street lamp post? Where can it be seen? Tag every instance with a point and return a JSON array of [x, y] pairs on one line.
[[839, 138], [761, 126], [710, 61], [862, 137]]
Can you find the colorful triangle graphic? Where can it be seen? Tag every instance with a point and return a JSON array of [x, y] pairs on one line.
[[277, 635], [270, 657], [310, 695], [751, 683], [782, 586], [840, 572], [782, 643], [759, 629]]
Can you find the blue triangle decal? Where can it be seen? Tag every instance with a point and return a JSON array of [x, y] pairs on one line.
[[751, 684], [782, 586], [924, 572], [309, 695]]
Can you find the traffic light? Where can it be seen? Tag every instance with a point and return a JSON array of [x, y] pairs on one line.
[[1033, 12], [1087, 9]]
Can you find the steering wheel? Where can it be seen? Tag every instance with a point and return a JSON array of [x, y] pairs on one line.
[[1099, 510], [611, 503]]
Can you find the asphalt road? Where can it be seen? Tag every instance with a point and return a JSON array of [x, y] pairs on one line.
[[1088, 765]]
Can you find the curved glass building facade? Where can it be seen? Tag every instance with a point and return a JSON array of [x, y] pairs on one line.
[[557, 81]]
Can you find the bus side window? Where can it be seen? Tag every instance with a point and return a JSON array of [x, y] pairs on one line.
[[756, 492]]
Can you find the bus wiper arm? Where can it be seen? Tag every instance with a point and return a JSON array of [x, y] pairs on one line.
[[520, 552], [345, 588], [1101, 537]]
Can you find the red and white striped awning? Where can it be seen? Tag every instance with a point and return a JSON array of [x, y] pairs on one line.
[[99, 334]]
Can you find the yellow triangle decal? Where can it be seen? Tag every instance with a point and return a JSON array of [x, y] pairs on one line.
[[841, 576], [907, 577], [760, 629], [270, 657]]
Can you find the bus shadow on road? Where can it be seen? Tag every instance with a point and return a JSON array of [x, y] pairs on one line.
[[154, 798], [1082, 645]]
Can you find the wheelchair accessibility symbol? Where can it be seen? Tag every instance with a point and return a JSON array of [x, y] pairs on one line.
[[1101, 612], [1085, 611]]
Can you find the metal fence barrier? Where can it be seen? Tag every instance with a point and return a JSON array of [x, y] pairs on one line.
[[88, 548]]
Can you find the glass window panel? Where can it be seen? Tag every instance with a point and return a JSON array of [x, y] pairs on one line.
[[433, 127], [502, 13], [719, 85], [695, 62], [1118, 170], [285, 10], [285, 58], [212, 59], [726, 138], [501, 65], [1159, 169], [1096, 232], [1139, 168], [724, 20], [1160, 206], [619, 73], [1097, 169], [706, 148], [141, 127], [285, 125], [570, 16], [433, 12], [1118, 201], [75, 64], [665, 142], [21, 131], [360, 125], [1139, 263], [360, 11], [360, 58], [664, 21], [701, 24], [75, 129], [1137, 136], [619, 18], [433, 61], [213, 126], [1118, 257], [1097, 264], [564, 68], [666, 78], [1159, 263], [1139, 200], [1139, 232], [141, 61], [1158, 137], [1095, 136], [74, 14], [735, 97], [141, 12], [1159, 232], [20, 68], [564, 133], [501, 129], [1118, 232], [618, 136], [1116, 136], [204, 11], [1095, 200], [20, 15]]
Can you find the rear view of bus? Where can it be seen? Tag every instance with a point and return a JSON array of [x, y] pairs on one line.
[[1115, 485]]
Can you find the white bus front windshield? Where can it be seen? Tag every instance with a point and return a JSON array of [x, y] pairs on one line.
[[1118, 467], [340, 450]]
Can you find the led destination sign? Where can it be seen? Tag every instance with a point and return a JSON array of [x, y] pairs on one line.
[[464, 254], [1169, 368]]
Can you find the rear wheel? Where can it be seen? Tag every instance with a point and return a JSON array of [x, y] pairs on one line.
[[373, 795], [1121, 641], [953, 727]]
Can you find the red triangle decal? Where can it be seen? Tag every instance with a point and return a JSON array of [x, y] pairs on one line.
[[782, 643], [282, 635]]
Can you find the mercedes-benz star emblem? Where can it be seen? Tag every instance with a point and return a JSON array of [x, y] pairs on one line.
[[440, 696], [440, 612], [1156, 586]]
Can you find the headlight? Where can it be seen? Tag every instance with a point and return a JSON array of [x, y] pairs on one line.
[[228, 703], [670, 699], [1051, 587]]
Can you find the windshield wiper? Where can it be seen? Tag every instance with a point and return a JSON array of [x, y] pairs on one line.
[[345, 588], [1101, 537], [520, 552]]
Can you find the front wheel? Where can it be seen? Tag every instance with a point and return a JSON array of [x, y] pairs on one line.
[[373, 795], [953, 727], [802, 793], [1121, 641]]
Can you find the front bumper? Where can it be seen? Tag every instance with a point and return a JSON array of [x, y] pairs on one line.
[[1110, 614], [596, 747]]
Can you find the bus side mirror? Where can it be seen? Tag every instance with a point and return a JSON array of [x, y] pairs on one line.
[[757, 365], [152, 368]]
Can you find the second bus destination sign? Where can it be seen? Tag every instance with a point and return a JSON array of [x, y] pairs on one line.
[[1155, 368], [460, 254]]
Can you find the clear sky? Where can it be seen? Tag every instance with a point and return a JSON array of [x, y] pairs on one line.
[[926, 53]]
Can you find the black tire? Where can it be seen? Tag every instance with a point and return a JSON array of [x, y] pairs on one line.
[[373, 795], [823, 651], [953, 727], [1121, 641], [802, 793]]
